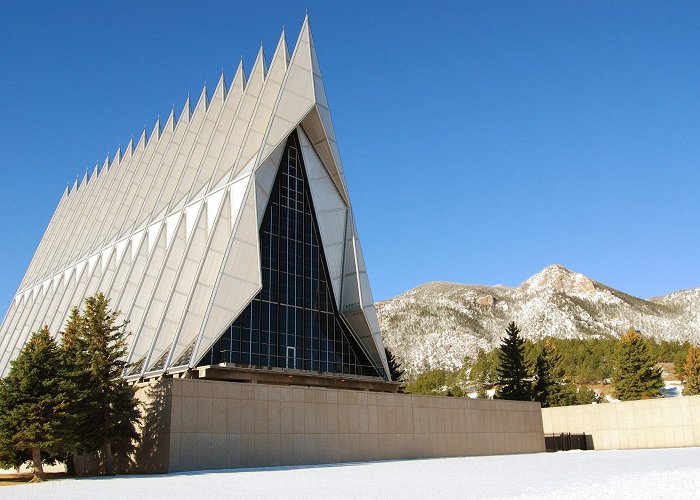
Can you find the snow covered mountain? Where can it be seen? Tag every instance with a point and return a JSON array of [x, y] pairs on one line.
[[437, 324]]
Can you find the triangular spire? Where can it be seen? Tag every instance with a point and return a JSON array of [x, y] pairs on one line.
[[186, 112], [95, 172], [325, 115], [142, 140], [170, 122], [259, 67], [283, 42], [155, 133], [298, 103], [117, 157], [129, 149], [203, 100], [281, 51], [228, 157], [220, 90], [105, 164], [238, 80], [264, 107], [83, 182]]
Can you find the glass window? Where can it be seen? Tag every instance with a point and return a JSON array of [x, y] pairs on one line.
[[293, 322]]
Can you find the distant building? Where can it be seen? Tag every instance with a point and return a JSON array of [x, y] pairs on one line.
[[226, 238]]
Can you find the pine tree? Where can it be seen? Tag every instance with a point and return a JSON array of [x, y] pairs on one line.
[[550, 388], [512, 369], [395, 369], [95, 344], [74, 350], [484, 370], [691, 369], [585, 395], [35, 421], [636, 375], [432, 383], [679, 363]]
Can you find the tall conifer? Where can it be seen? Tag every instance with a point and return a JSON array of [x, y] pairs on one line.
[[395, 369], [35, 419], [95, 344], [512, 370], [691, 369], [550, 388], [74, 350], [636, 375]]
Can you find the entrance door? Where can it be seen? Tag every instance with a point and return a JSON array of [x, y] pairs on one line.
[[291, 357]]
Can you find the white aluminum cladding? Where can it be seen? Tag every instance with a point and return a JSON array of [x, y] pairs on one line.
[[168, 229]]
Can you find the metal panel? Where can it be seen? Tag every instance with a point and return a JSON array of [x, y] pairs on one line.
[[197, 154], [296, 96], [264, 106], [236, 134], [141, 285], [167, 195], [331, 214], [165, 167], [221, 132], [140, 171], [160, 296], [123, 186], [177, 301], [241, 271], [145, 193], [193, 317]]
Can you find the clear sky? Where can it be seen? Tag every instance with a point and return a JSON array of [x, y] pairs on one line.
[[482, 141]]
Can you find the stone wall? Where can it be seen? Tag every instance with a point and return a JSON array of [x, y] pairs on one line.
[[217, 425], [653, 423]]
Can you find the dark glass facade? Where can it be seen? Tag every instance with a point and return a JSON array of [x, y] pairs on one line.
[[293, 322]]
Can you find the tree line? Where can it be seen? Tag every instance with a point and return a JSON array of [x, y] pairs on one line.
[[67, 397], [556, 372]]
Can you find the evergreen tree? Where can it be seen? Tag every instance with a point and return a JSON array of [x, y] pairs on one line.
[[679, 360], [636, 375], [431, 383], [484, 371], [585, 396], [35, 421], [74, 350], [550, 388], [691, 369], [512, 369], [95, 344], [395, 370]]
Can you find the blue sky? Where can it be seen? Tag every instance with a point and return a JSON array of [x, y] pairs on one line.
[[482, 141]]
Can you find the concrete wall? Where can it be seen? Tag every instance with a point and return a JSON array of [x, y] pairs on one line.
[[653, 423], [200, 424]]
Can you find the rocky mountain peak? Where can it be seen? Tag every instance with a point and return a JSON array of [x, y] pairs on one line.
[[556, 278], [438, 324]]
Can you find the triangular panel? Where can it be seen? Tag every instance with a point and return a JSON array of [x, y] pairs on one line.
[[192, 318]]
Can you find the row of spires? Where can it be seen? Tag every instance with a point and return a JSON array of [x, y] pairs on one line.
[[144, 139]]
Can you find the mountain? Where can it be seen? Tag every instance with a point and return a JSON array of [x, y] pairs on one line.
[[437, 324]]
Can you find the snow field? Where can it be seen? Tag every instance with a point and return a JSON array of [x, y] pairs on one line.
[[638, 474]]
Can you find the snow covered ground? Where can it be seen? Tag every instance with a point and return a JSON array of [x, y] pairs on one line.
[[638, 474]]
